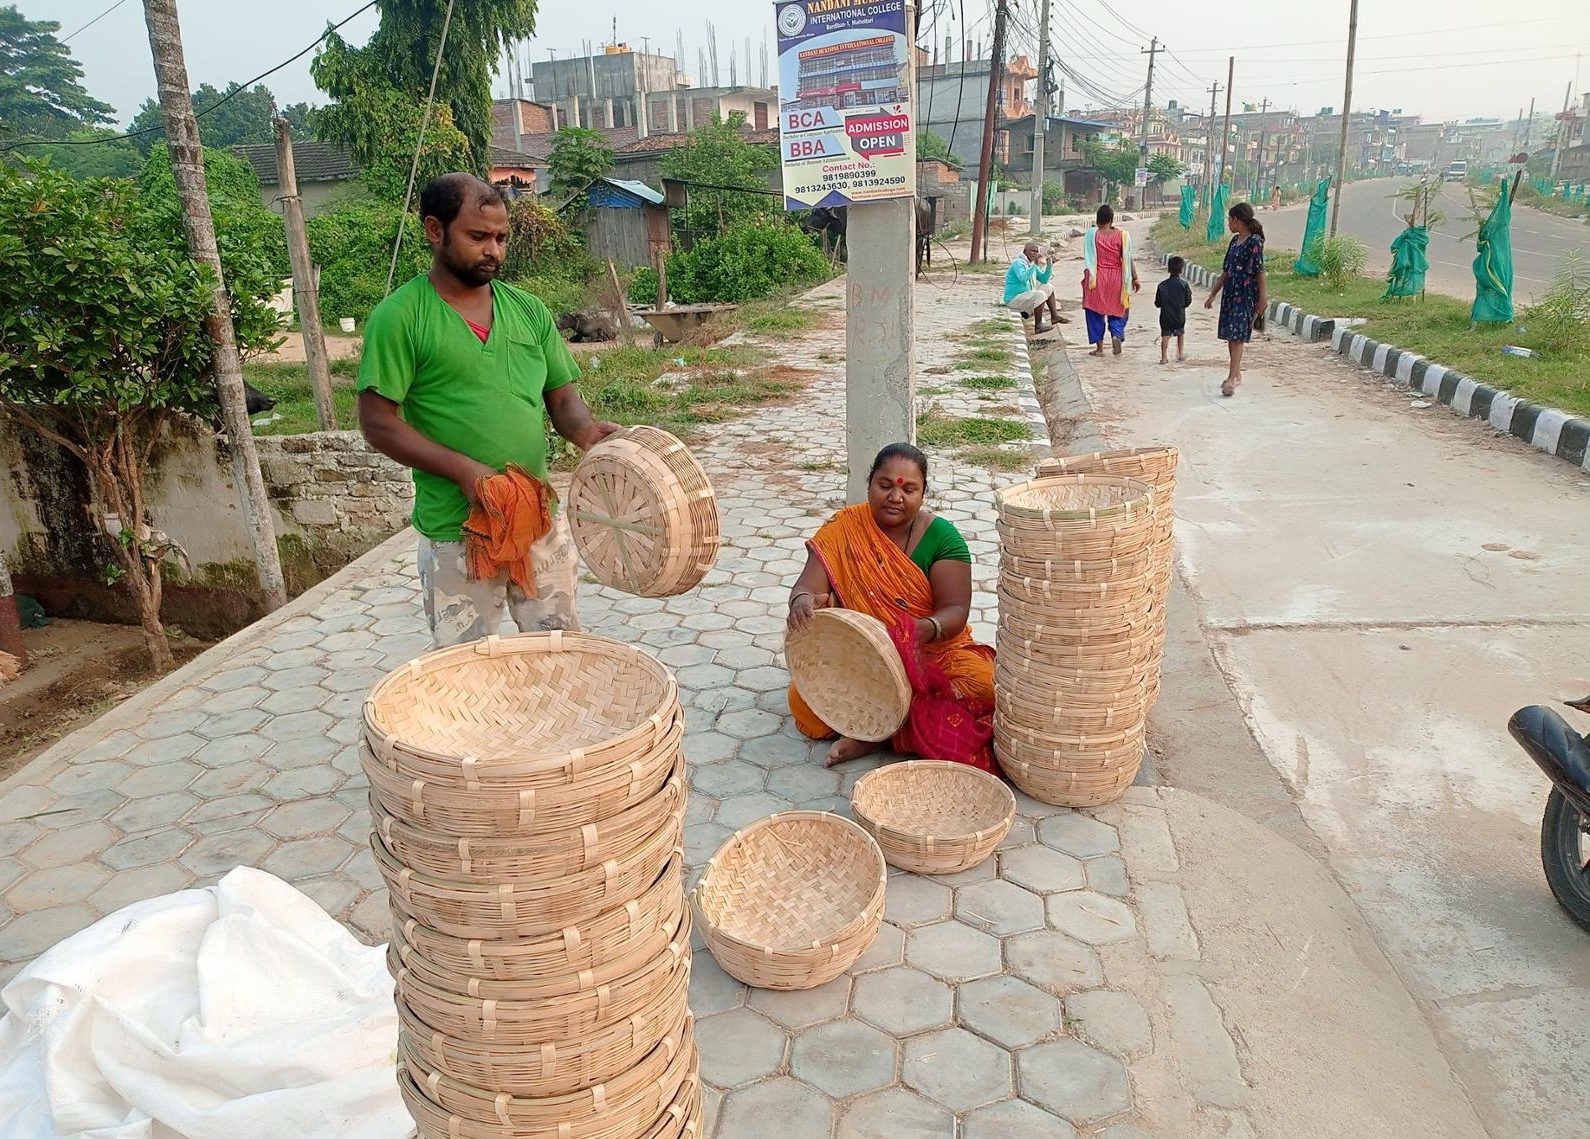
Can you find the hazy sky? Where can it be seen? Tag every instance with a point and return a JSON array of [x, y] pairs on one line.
[[1439, 58]]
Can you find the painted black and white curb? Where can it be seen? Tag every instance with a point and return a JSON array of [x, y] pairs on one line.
[[1551, 430]]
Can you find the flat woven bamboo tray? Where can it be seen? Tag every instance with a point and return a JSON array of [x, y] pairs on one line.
[[1041, 592], [505, 813], [643, 513], [625, 1107], [551, 1068], [531, 857], [642, 926], [1070, 788], [791, 900], [931, 817], [847, 669], [520, 909], [531, 1023], [1075, 500], [1080, 571], [532, 710]]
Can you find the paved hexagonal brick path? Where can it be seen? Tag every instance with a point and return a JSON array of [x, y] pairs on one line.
[[1021, 998]]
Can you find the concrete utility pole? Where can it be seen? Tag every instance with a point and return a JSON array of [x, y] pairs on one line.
[[306, 296], [1562, 133], [1258, 163], [880, 323], [187, 167], [1347, 117], [985, 163], [643, 89], [1151, 51], [1209, 139], [1040, 122], [1225, 129]]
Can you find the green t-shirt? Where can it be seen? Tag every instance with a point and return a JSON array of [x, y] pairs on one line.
[[482, 400], [941, 541]]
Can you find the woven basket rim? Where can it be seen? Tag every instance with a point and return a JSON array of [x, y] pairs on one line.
[[929, 767], [860, 628], [496, 646], [782, 818], [1142, 499]]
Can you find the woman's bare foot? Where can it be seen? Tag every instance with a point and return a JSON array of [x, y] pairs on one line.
[[1229, 388], [847, 749], [1115, 345], [1098, 350]]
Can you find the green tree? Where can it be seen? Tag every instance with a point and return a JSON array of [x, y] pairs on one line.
[[298, 116], [41, 90], [579, 157], [378, 124], [718, 155], [103, 350], [95, 153], [1117, 163], [1163, 168], [352, 244], [243, 119], [403, 49], [931, 145]]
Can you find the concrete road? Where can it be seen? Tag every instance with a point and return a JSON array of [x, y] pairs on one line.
[[1372, 213], [1380, 588]]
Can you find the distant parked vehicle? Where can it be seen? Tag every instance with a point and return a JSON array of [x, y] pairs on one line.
[[1457, 171]]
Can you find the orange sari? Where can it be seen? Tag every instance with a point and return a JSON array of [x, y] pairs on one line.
[[952, 680]]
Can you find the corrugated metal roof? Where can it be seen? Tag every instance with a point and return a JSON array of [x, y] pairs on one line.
[[639, 189]]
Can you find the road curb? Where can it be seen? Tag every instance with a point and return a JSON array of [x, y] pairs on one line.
[[1549, 429]]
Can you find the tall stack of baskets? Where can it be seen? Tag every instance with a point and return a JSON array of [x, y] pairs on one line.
[[528, 796], [1084, 571]]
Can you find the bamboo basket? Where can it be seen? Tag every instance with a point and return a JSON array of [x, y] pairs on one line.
[[1053, 624], [528, 711], [643, 513], [1153, 465], [1079, 570], [845, 666], [1062, 595], [507, 813], [543, 1020], [790, 901], [518, 909], [681, 1120], [625, 1107], [531, 857], [1061, 718], [643, 925], [931, 817], [1084, 501], [552, 1068], [1070, 788]]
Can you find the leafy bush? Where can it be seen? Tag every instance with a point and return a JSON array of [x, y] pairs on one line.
[[746, 263], [717, 154], [1341, 259], [352, 244], [1559, 323], [579, 157], [540, 245]]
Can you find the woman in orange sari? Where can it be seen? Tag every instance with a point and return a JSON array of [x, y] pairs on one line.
[[893, 560]]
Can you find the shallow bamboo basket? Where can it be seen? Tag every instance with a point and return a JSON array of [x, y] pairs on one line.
[[1040, 592], [643, 513], [1053, 623], [1154, 465], [1080, 570], [1072, 719], [550, 1068], [545, 1020], [681, 1120], [1130, 654], [790, 901], [530, 857], [845, 666], [1070, 788], [506, 813], [641, 926], [1130, 539], [931, 817], [626, 1106], [526, 711], [1017, 745], [519, 909]]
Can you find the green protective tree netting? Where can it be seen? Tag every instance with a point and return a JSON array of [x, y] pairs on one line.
[[1217, 214], [1307, 263], [1493, 264], [1189, 204], [1409, 262]]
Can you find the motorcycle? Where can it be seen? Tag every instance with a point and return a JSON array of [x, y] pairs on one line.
[[1564, 755]]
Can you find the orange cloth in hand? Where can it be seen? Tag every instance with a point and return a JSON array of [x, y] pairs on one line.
[[515, 512]]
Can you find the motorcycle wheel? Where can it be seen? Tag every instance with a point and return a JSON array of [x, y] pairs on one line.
[[1565, 856]]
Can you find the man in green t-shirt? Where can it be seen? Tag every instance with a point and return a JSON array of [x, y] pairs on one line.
[[458, 371]]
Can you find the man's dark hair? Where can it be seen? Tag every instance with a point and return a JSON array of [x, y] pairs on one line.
[[899, 451], [1105, 215], [444, 196], [1176, 265]]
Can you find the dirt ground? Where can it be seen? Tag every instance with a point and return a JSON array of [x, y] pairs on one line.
[[292, 349], [77, 670]]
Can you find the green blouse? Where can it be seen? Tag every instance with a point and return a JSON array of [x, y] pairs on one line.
[[941, 541]]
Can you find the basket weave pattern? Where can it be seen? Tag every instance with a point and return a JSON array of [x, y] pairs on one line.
[[1084, 573], [845, 666], [931, 817], [528, 798]]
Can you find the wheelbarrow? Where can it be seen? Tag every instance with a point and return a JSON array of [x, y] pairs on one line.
[[676, 322]]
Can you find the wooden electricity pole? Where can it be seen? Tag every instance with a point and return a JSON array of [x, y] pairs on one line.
[[187, 166], [1209, 141], [306, 295], [1347, 117], [1151, 51], [985, 163]]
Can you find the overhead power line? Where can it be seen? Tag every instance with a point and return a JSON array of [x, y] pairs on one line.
[[91, 23]]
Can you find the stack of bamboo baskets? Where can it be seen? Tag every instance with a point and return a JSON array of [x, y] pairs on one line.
[[528, 796], [1084, 572]]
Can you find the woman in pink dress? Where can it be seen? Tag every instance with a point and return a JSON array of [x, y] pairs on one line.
[[1107, 259]]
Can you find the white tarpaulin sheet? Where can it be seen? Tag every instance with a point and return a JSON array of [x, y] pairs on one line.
[[241, 1011]]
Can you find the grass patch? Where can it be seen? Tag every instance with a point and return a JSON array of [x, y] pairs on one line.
[[992, 326], [983, 358], [987, 383], [767, 318], [288, 385], [997, 458], [935, 429], [1436, 327]]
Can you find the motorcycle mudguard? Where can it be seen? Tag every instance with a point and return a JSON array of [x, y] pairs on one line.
[[1557, 749]]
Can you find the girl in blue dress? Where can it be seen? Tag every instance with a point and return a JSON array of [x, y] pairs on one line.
[[1241, 288]]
